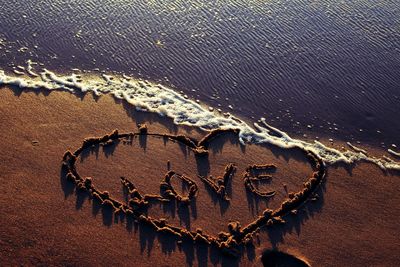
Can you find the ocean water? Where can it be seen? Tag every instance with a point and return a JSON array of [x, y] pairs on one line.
[[310, 68]]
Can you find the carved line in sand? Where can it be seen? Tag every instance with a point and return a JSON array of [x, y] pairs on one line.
[[251, 176], [219, 185], [229, 243], [138, 201]]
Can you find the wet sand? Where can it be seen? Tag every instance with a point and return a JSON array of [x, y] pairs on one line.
[[353, 220]]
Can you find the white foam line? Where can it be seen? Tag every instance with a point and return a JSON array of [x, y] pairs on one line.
[[29, 69], [356, 149], [160, 99], [394, 153], [18, 72]]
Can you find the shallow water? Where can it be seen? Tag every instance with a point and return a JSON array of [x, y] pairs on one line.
[[308, 67]]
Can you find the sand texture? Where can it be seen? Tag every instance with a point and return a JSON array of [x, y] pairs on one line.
[[47, 218]]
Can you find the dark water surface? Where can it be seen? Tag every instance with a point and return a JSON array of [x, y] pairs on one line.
[[307, 66]]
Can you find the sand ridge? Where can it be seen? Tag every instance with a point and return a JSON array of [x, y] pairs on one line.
[[230, 242]]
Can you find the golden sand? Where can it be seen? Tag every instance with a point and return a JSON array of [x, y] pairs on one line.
[[349, 217]]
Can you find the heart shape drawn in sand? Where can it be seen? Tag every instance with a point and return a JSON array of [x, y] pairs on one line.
[[227, 242]]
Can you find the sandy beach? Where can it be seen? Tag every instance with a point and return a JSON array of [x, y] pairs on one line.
[[199, 133], [352, 219]]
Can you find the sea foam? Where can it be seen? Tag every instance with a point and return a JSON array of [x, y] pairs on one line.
[[157, 98]]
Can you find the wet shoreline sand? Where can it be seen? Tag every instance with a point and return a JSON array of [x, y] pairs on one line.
[[353, 221]]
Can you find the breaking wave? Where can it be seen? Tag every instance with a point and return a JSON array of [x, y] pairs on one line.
[[151, 97]]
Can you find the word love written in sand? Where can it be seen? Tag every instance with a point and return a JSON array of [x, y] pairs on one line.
[[229, 242]]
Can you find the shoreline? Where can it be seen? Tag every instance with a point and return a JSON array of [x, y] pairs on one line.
[[305, 132], [155, 98]]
